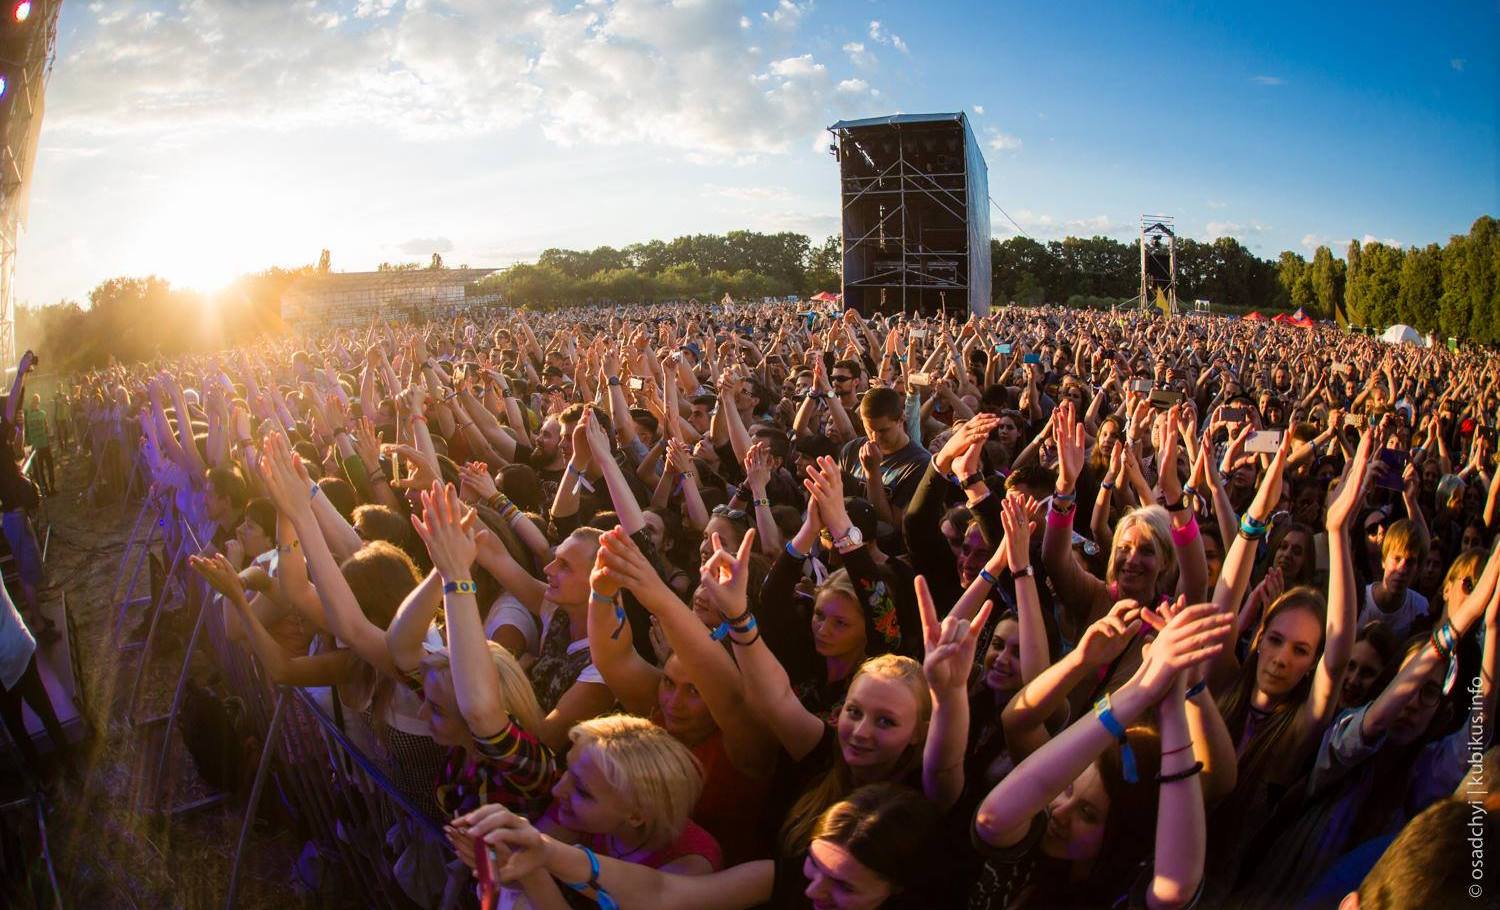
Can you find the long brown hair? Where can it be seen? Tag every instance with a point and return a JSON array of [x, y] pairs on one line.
[[1234, 703], [837, 784]]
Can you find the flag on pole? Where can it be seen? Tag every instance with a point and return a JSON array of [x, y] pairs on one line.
[[1161, 302]]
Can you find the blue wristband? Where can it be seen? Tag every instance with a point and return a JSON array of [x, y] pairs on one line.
[[1111, 724], [720, 632], [460, 587], [985, 574], [792, 552], [1196, 688], [600, 895]]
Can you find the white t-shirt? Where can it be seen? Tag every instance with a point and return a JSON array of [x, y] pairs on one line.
[[1401, 619], [507, 610]]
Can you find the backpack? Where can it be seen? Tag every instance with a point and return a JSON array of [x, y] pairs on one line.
[[215, 730]]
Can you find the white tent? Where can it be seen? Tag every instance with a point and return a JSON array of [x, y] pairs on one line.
[[1403, 334]]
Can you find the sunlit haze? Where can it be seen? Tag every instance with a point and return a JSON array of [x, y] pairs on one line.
[[202, 140]]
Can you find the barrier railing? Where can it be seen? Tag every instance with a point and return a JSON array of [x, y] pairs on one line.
[[390, 853]]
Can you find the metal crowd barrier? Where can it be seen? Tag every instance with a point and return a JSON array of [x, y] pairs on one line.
[[342, 799]]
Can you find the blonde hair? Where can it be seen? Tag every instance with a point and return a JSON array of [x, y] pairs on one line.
[[1406, 538], [838, 783], [652, 771], [1159, 525], [517, 697], [1471, 563]]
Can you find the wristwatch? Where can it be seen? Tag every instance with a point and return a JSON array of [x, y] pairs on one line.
[[850, 540], [1025, 570]]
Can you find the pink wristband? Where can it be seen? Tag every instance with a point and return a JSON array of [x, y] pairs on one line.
[[1186, 534], [1057, 519]]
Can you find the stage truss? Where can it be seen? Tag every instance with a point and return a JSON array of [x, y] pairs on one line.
[[26, 55], [1158, 262]]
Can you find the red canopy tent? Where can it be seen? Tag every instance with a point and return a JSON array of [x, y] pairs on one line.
[[826, 297], [1255, 317]]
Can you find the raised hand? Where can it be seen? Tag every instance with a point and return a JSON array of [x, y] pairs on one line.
[[972, 432], [621, 563], [475, 482], [1068, 436], [758, 466], [1017, 523], [726, 576], [1350, 492], [1192, 635], [447, 530], [1107, 638], [949, 644], [826, 484], [285, 478], [220, 575]]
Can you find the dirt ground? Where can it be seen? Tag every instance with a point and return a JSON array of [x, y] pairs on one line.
[[110, 850]]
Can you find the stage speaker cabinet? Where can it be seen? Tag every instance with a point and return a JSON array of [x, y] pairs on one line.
[[912, 186]]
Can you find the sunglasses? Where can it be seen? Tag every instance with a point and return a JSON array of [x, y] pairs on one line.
[[731, 514], [842, 378]]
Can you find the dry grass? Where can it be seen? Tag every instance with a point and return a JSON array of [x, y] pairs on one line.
[[111, 850]]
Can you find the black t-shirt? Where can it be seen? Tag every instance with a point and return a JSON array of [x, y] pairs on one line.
[[900, 471]]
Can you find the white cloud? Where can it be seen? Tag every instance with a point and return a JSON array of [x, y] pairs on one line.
[[881, 35], [1216, 204], [649, 71], [854, 86], [1371, 238], [858, 54], [748, 193], [787, 15], [745, 22], [1001, 142], [804, 65], [1311, 242], [1458, 63], [1217, 229], [979, 109], [1269, 80], [425, 246]]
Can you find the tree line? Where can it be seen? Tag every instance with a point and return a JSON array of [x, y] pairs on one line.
[[1451, 290]]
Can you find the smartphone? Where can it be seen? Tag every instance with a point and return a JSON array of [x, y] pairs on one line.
[[1264, 441], [920, 380], [1004, 348], [636, 383], [1164, 399], [1395, 464], [1357, 421], [1140, 385], [919, 333], [1233, 415], [1032, 358]]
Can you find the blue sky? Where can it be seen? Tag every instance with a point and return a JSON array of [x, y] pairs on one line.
[[201, 140]]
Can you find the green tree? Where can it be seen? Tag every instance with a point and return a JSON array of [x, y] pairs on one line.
[[1327, 275], [1421, 288]]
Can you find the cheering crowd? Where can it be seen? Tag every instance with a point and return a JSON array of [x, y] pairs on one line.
[[741, 606]]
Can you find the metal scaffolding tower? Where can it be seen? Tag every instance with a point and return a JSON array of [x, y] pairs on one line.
[[27, 48]]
